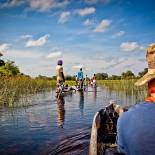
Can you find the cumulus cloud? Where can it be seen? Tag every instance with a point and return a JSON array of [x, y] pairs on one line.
[[64, 17], [54, 55], [96, 1], [88, 22], [11, 3], [86, 11], [118, 34], [4, 47], [23, 54], [104, 24], [131, 46], [45, 5], [26, 36], [39, 42], [77, 66]]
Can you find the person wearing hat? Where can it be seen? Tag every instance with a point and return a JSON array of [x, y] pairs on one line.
[[136, 127], [59, 73]]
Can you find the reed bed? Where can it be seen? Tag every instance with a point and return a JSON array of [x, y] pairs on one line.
[[12, 88], [125, 86], [70, 82]]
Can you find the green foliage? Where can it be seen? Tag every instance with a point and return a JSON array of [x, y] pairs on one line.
[[54, 77], [9, 69], [69, 77], [125, 87], [44, 77], [14, 88], [101, 76], [70, 82], [2, 63], [128, 75], [143, 72], [115, 77]]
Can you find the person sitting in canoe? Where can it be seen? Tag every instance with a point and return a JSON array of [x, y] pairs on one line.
[[136, 127], [60, 74], [80, 78]]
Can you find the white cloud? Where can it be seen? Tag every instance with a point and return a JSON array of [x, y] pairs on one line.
[[11, 3], [54, 55], [118, 34], [86, 11], [77, 66], [22, 54], [91, 1], [72, 62], [96, 1], [131, 46], [45, 5], [4, 47], [26, 36], [39, 42], [64, 17], [88, 22], [103, 26]]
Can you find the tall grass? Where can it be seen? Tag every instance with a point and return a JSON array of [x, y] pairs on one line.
[[12, 88], [70, 82], [126, 87]]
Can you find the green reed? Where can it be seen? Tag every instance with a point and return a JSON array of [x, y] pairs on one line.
[[12, 88], [125, 86], [70, 82]]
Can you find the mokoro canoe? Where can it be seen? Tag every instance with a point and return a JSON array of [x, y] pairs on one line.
[[64, 93], [103, 133], [80, 89]]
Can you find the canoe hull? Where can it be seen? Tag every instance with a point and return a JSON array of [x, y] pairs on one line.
[[103, 134], [63, 93]]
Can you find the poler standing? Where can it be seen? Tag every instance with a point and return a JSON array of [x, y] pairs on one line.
[[136, 127], [59, 73], [80, 78]]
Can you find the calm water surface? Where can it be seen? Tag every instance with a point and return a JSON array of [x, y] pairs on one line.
[[50, 126]]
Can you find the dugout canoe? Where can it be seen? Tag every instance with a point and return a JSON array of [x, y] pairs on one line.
[[64, 93], [103, 133]]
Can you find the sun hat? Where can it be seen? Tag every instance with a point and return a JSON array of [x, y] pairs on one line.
[[151, 66]]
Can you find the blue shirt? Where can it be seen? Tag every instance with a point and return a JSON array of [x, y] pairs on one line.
[[80, 75], [136, 130]]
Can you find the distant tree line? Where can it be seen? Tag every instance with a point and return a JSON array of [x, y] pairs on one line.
[[104, 76], [125, 75], [9, 68]]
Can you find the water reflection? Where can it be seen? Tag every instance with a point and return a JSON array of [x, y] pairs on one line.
[[60, 111], [81, 101], [34, 129], [94, 93]]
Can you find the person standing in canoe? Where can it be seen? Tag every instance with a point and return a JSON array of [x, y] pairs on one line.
[[94, 80], [59, 73], [136, 127], [86, 81], [80, 78]]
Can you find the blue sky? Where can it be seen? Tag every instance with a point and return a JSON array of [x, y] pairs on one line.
[[100, 35]]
